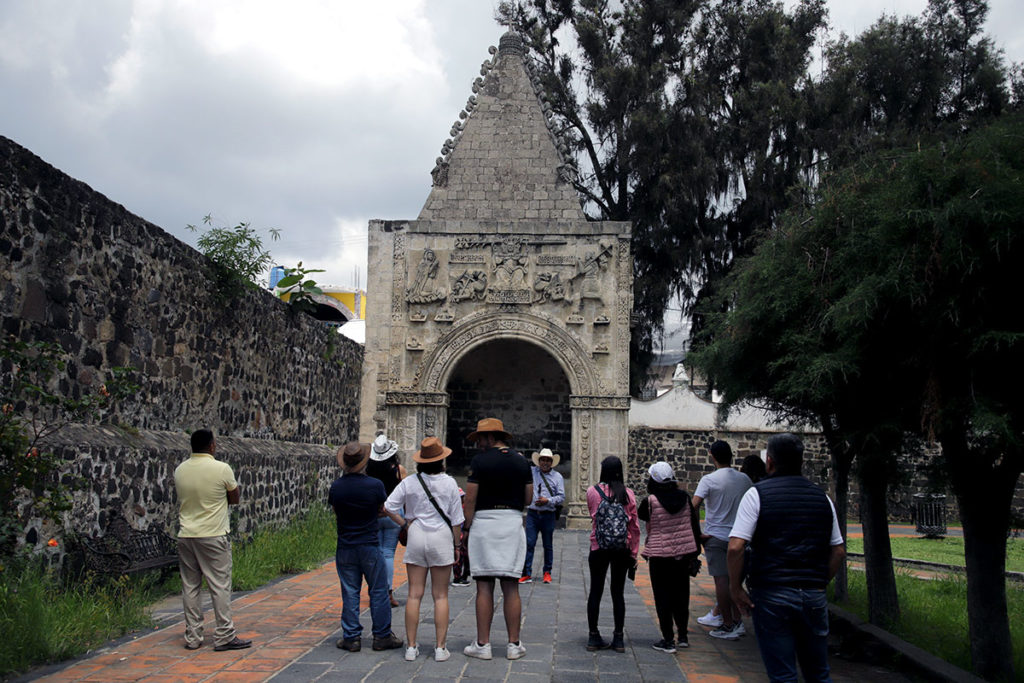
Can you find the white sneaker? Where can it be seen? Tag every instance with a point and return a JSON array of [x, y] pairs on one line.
[[411, 653], [441, 654], [477, 650], [514, 651], [710, 619], [741, 630]]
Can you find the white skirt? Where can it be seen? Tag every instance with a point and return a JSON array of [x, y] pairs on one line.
[[497, 544], [429, 548]]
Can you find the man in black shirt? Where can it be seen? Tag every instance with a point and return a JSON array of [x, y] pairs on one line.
[[357, 501], [499, 486]]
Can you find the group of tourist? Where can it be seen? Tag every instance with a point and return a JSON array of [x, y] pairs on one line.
[[768, 530]]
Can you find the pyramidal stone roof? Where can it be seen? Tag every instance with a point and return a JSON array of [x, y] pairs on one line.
[[504, 161]]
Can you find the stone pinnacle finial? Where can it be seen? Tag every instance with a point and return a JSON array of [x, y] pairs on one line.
[[511, 44]]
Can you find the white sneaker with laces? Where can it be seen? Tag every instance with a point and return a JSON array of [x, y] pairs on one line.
[[441, 654], [477, 650], [514, 651], [741, 630], [411, 653], [710, 619]]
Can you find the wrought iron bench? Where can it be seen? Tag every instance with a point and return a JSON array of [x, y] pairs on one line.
[[124, 550]]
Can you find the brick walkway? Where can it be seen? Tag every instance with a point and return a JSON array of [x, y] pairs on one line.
[[294, 624]]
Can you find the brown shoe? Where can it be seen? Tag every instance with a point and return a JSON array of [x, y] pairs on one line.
[[388, 642], [235, 643], [350, 644]]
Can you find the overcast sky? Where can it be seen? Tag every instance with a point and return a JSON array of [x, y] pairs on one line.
[[311, 116]]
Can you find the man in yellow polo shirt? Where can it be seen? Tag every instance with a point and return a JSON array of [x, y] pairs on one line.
[[205, 488]]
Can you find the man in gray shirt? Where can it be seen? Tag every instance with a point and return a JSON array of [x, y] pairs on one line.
[[721, 492]]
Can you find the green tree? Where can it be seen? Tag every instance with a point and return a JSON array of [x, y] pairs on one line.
[[684, 118], [896, 289]]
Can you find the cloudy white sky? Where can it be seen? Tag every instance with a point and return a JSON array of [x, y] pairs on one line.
[[311, 116]]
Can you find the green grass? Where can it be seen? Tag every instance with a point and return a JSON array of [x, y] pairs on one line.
[[43, 619], [305, 543], [949, 550], [934, 615]]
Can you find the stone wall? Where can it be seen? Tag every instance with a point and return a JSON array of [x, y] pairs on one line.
[[687, 451], [114, 290]]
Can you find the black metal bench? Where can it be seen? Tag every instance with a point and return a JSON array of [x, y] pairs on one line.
[[125, 550]]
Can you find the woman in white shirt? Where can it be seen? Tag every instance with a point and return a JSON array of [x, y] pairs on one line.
[[433, 511]]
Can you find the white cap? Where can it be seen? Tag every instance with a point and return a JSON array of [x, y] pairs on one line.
[[661, 472]]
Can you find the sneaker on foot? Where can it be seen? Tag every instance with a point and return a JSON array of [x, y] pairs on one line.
[[664, 646], [680, 644], [710, 619], [515, 650], [526, 579], [441, 654], [411, 653], [725, 632], [388, 642], [350, 644], [477, 650], [460, 582], [741, 630], [547, 577]]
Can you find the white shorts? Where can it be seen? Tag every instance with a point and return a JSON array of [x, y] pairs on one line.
[[428, 548]]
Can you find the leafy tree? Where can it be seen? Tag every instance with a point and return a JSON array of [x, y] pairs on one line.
[[684, 118], [895, 289]]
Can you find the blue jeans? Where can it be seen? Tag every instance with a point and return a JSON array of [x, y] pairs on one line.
[[388, 542], [792, 625], [544, 522], [354, 563]]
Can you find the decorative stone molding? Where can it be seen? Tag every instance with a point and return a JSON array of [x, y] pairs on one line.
[[479, 328], [605, 402], [417, 398]]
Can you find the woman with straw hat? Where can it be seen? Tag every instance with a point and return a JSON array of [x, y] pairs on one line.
[[433, 511]]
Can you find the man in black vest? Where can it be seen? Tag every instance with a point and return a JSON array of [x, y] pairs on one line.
[[796, 549]]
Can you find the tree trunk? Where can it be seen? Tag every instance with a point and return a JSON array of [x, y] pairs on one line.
[[841, 461], [883, 601], [984, 493]]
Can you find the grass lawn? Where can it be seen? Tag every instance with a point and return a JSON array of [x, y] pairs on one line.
[[934, 615], [949, 550]]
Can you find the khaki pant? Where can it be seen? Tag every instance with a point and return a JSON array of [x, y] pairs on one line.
[[208, 558]]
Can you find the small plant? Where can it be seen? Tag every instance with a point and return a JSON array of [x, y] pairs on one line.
[[237, 253], [29, 413], [300, 291]]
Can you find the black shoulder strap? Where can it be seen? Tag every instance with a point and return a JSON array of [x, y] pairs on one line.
[[545, 480], [432, 501]]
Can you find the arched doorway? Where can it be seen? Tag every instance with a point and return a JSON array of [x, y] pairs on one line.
[[521, 384]]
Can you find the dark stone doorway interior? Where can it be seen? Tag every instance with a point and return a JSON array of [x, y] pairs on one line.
[[520, 384]]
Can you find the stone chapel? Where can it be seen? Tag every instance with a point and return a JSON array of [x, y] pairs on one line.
[[501, 299]]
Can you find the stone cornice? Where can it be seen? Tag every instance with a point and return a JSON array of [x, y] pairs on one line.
[[600, 402]]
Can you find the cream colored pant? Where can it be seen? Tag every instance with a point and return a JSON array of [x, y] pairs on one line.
[[208, 558]]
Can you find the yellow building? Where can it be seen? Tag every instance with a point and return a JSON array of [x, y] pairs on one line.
[[337, 305]]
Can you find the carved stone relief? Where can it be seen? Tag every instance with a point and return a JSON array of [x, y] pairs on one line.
[[425, 287], [471, 284]]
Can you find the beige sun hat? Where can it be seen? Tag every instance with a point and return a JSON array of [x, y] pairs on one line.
[[546, 453]]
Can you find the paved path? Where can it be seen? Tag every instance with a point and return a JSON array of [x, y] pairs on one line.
[[294, 624]]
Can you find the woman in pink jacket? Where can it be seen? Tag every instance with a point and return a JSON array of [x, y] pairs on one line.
[[614, 542], [673, 530]]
